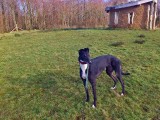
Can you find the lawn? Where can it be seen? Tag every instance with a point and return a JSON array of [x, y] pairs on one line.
[[39, 75]]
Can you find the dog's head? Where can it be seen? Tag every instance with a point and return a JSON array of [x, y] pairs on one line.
[[84, 56]]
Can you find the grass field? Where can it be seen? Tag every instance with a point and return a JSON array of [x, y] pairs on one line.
[[39, 75]]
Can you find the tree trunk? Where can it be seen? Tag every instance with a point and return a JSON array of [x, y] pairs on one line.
[[28, 17], [14, 20], [3, 16]]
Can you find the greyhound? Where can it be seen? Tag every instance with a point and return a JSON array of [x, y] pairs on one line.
[[95, 67]]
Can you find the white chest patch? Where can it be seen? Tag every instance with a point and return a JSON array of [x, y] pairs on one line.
[[83, 68]]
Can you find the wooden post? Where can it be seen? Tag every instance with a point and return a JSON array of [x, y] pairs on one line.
[[155, 16], [151, 16], [148, 16]]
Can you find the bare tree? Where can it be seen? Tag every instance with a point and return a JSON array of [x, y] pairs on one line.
[[14, 10], [158, 14], [48, 14], [3, 16], [158, 8]]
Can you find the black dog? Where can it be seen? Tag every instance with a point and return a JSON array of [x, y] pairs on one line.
[[96, 66]]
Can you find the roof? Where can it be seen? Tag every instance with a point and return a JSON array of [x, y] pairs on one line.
[[129, 4]]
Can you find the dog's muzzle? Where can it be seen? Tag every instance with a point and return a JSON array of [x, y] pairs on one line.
[[83, 76]]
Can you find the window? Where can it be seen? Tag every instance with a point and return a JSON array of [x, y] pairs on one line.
[[115, 18], [130, 17]]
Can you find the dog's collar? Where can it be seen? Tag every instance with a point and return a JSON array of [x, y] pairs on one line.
[[82, 62]]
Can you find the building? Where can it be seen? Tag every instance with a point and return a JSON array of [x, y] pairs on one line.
[[137, 14]]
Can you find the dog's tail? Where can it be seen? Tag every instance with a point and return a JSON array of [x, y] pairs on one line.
[[126, 73]]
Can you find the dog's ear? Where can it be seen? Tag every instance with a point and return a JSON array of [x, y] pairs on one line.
[[79, 51], [86, 49]]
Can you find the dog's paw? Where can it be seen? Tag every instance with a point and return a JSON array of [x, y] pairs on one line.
[[93, 106], [112, 88], [122, 94]]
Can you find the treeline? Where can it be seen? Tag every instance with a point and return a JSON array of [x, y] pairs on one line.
[[48, 14], [158, 17]]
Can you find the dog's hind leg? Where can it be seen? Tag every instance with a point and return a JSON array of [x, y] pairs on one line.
[[119, 76], [122, 83], [118, 73], [115, 81], [94, 93], [109, 71]]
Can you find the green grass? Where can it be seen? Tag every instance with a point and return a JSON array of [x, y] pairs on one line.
[[39, 75]]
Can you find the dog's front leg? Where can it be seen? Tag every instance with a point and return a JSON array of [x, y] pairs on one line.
[[94, 94], [87, 95], [86, 90]]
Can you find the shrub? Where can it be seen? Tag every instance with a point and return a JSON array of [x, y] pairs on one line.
[[116, 44], [139, 41], [141, 36], [17, 35]]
